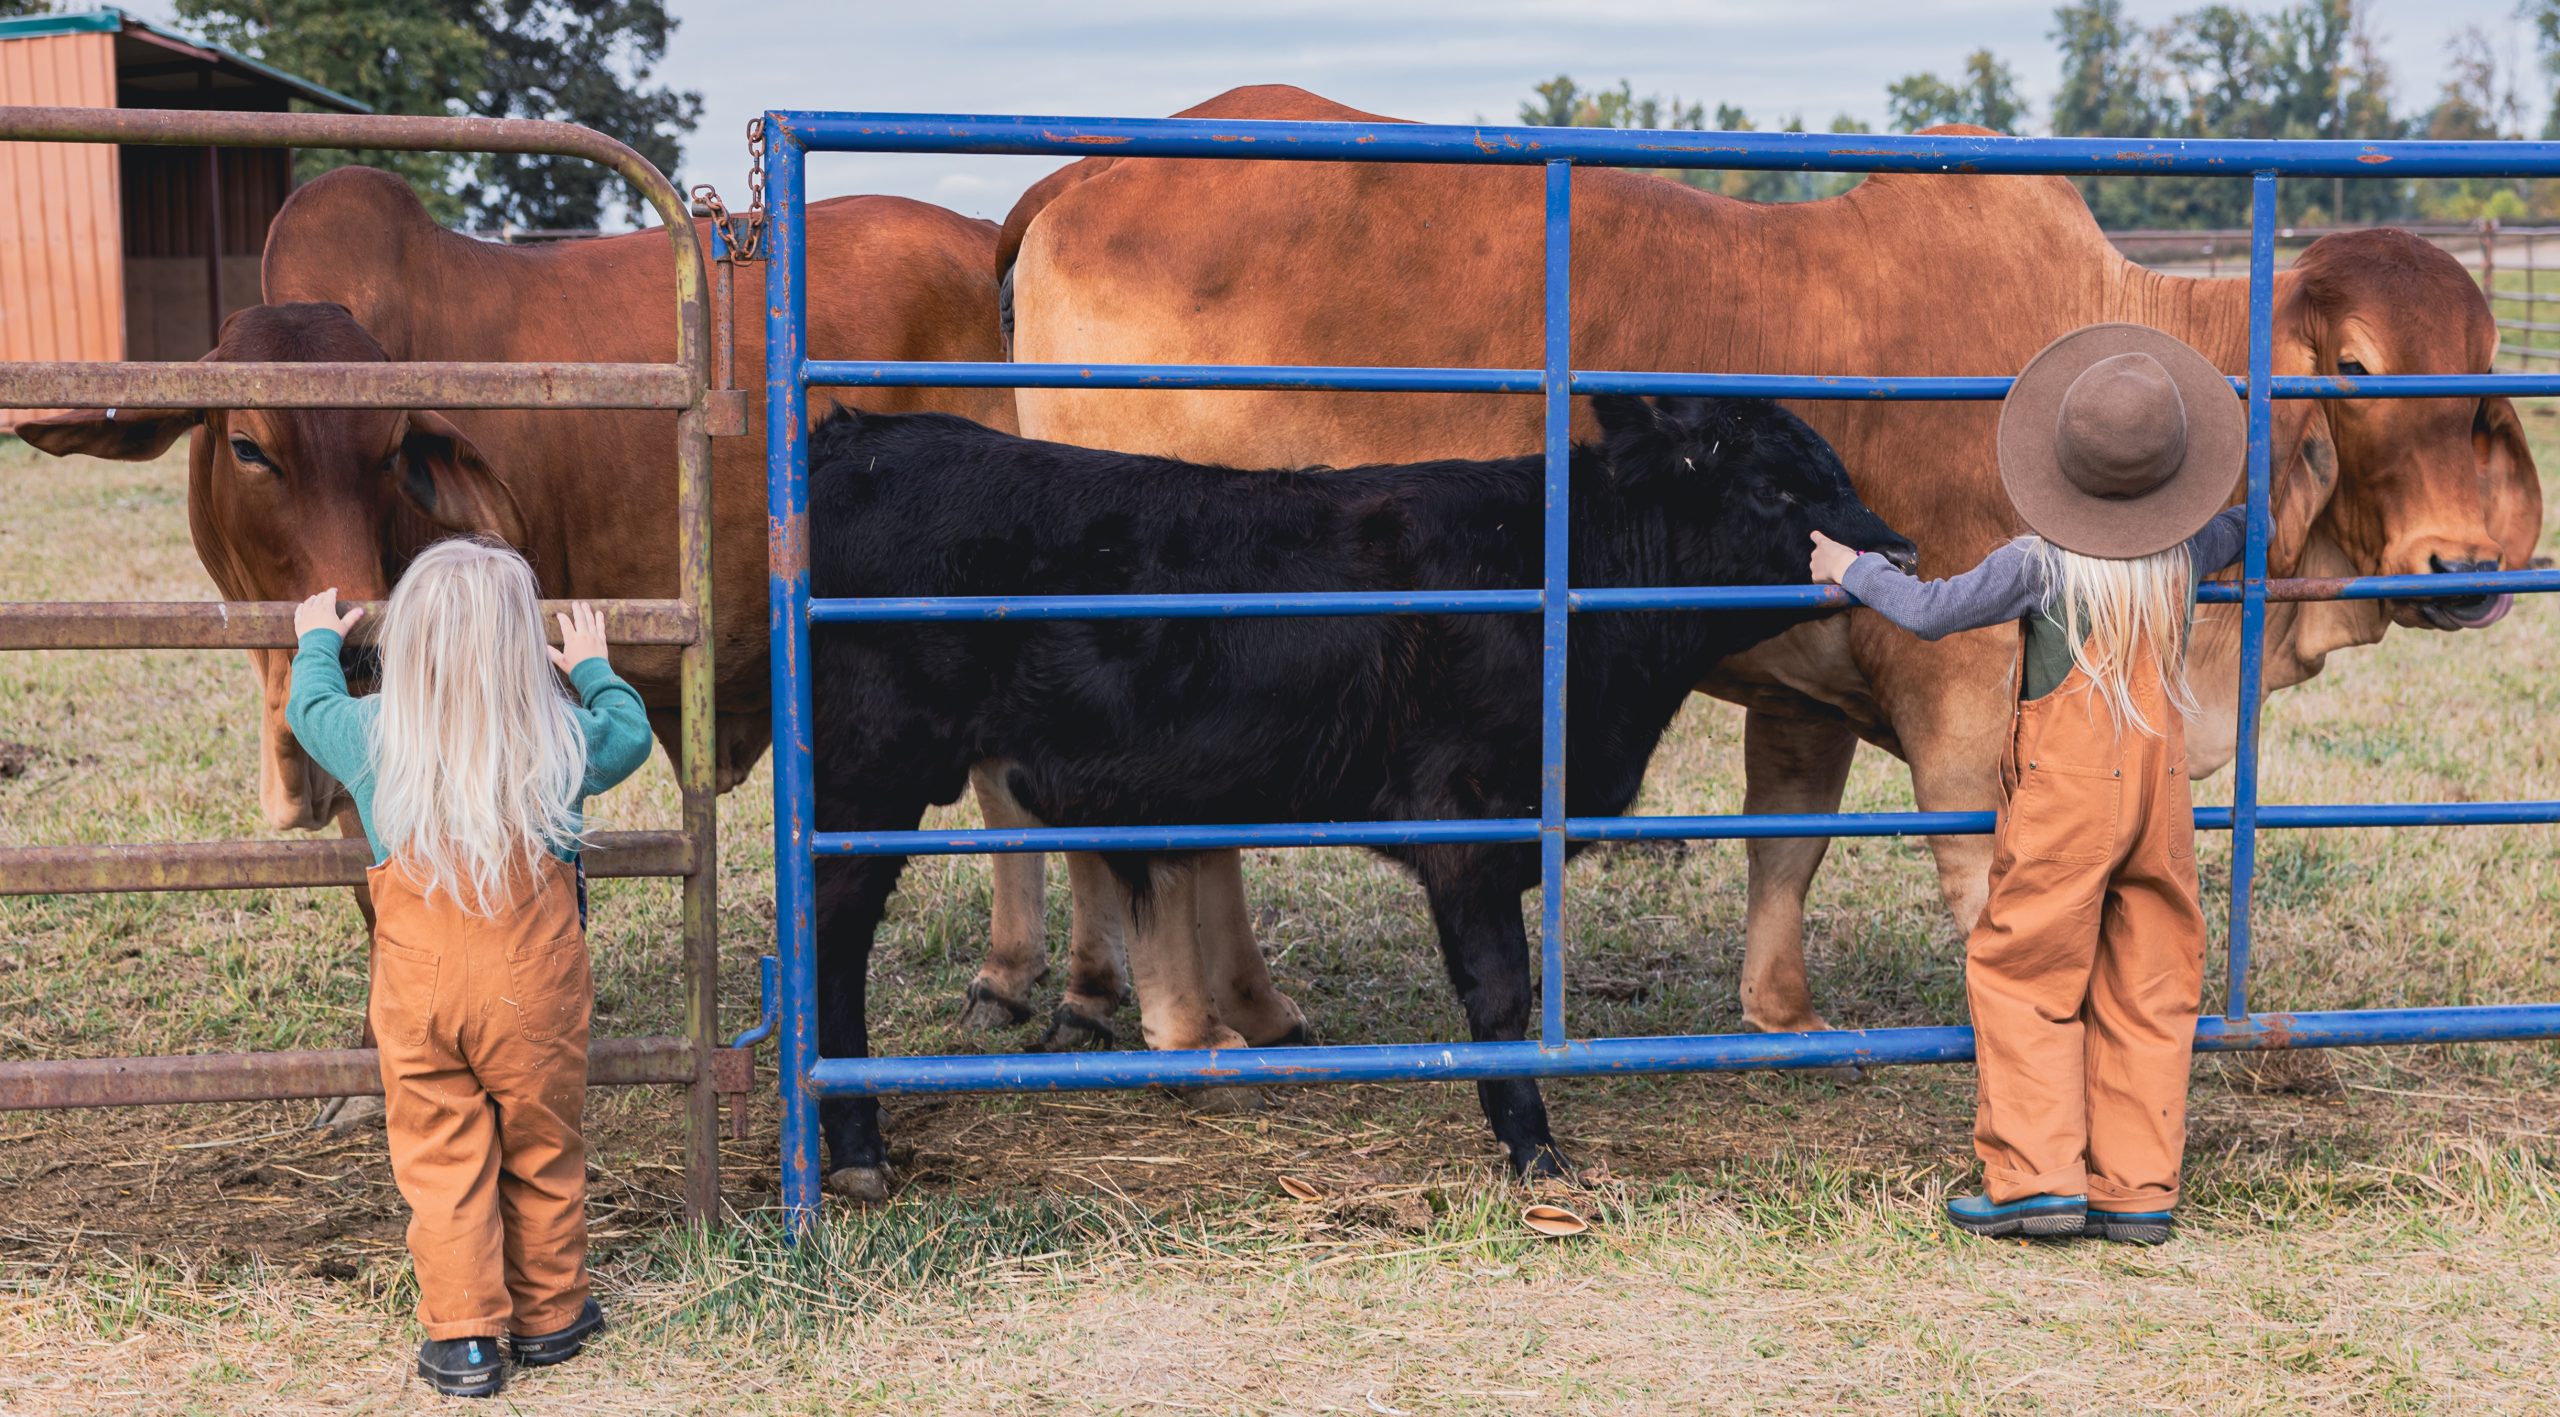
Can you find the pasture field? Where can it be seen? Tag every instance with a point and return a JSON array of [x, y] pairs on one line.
[[2366, 1231]]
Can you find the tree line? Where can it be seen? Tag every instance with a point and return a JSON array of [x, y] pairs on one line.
[[2311, 69], [573, 61], [2308, 69]]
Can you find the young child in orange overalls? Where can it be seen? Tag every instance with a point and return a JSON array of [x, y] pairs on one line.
[[469, 770], [2118, 447]]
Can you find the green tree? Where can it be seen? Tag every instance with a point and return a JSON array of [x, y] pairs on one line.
[[1562, 103], [1987, 95], [2307, 70], [577, 61], [2112, 85], [2478, 103], [394, 56]]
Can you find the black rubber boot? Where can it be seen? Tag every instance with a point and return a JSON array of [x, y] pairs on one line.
[[463, 1367], [543, 1350], [2130, 1228]]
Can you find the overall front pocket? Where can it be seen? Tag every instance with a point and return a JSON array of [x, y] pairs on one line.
[[548, 986], [402, 999], [2067, 815]]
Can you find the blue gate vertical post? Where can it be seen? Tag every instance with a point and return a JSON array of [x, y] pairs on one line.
[[1554, 600], [2253, 583], [795, 804]]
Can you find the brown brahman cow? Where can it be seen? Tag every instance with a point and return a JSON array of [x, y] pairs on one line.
[[283, 503], [1162, 261]]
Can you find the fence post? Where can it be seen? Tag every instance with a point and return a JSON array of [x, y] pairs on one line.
[[794, 791], [1558, 385], [2253, 582]]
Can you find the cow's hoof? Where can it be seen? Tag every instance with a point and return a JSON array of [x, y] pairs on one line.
[[985, 1010], [1069, 1031], [867, 1185], [345, 1114], [1803, 1023], [1540, 1163]]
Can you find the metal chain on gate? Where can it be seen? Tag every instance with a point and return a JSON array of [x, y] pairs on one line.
[[742, 234], [741, 239]]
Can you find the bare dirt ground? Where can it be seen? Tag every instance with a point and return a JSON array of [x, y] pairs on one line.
[[2381, 1237]]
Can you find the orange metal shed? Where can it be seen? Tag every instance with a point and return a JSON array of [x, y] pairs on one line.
[[132, 253]]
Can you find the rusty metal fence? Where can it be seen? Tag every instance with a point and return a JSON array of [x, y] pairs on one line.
[[691, 1059]]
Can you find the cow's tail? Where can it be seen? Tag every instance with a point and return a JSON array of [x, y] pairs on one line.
[[1017, 224]]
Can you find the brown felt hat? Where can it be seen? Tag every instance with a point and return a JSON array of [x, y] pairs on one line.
[[2118, 441]]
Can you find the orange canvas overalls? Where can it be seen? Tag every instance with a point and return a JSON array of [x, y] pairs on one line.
[[2087, 967], [482, 1025]]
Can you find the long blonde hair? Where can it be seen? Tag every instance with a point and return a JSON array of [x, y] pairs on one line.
[[2111, 610], [477, 758]]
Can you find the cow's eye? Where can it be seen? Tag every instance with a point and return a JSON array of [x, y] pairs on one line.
[[250, 453], [2351, 368]]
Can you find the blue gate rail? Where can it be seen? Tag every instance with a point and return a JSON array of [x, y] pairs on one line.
[[806, 1077]]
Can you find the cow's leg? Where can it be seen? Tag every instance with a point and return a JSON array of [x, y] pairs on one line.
[[1958, 777], [344, 1113], [1176, 1009], [1790, 764], [1476, 906], [852, 894], [1017, 931], [1096, 946], [1239, 979]]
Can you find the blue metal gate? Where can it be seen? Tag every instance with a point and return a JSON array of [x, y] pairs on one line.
[[806, 1077]]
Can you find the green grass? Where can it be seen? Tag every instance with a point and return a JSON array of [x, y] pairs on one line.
[[1758, 1241]]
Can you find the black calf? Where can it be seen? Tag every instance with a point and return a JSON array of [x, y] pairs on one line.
[[1130, 722]]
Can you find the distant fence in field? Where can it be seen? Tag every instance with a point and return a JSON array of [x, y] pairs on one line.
[[2487, 247]]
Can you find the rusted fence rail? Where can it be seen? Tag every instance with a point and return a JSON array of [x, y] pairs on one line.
[[268, 624], [693, 1058]]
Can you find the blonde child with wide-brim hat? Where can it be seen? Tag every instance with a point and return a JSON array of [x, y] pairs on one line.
[[2119, 448]]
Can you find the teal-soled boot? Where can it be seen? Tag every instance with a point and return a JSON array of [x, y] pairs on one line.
[[2147, 1227], [2035, 1216]]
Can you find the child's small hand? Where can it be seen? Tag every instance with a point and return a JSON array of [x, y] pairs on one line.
[[320, 612], [581, 637], [1830, 560]]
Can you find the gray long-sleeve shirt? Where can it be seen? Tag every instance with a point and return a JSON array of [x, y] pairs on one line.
[[2009, 584]]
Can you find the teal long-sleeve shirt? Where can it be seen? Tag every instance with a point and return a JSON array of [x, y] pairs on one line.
[[335, 727]]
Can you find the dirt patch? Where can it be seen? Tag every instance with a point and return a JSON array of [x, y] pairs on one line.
[[246, 1182], [259, 1182]]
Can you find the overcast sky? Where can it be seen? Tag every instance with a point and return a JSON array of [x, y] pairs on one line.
[[1435, 60]]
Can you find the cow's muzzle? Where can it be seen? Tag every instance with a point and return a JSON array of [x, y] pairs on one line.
[[2471, 612]]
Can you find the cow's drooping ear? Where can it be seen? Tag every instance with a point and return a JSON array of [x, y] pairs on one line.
[[1624, 415], [123, 435], [2509, 483], [444, 476]]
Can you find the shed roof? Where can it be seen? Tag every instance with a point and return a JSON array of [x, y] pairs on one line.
[[228, 68]]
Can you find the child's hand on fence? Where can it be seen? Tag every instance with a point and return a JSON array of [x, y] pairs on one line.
[[320, 612], [581, 637], [1830, 560]]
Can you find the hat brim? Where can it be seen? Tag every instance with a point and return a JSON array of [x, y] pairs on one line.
[[2120, 527]]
